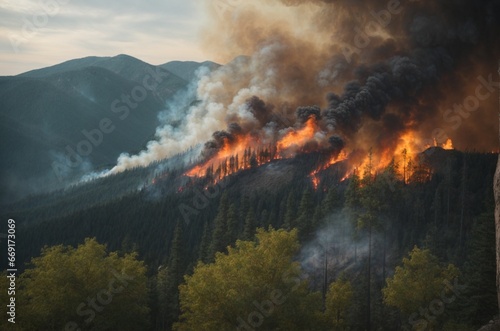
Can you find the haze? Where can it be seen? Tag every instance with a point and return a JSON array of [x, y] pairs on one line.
[[33, 36]]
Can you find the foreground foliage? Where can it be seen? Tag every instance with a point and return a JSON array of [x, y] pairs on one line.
[[86, 288], [419, 283], [256, 284]]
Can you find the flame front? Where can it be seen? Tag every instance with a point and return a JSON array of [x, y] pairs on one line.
[[227, 160], [332, 161], [248, 151], [300, 137], [245, 152]]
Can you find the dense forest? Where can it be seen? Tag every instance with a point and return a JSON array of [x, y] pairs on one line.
[[264, 248]]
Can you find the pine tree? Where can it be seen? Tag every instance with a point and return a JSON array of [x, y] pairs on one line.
[[232, 225], [219, 241], [263, 218], [249, 228], [176, 257], [290, 215], [317, 217], [479, 300], [162, 297], [332, 201], [253, 161], [353, 197], [305, 213], [272, 219], [245, 159], [203, 252], [175, 272]]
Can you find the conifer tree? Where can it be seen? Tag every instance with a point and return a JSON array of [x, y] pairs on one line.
[[305, 213], [290, 215], [249, 227], [174, 274], [203, 252], [232, 225], [219, 241]]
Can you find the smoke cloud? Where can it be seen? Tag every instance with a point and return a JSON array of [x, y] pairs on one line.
[[366, 71]]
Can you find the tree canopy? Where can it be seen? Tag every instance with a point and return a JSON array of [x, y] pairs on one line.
[[84, 288], [255, 285], [418, 282]]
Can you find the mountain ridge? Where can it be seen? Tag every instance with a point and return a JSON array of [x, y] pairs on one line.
[[45, 110]]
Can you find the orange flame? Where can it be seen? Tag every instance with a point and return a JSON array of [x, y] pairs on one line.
[[229, 151], [300, 137], [333, 160], [247, 151], [448, 144], [408, 147], [235, 156]]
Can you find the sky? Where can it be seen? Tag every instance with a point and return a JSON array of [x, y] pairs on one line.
[[40, 33]]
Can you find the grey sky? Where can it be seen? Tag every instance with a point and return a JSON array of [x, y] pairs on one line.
[[155, 31]]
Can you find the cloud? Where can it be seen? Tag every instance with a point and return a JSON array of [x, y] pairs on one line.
[[154, 31]]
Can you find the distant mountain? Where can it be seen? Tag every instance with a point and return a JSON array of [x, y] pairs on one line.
[[44, 112], [187, 69], [124, 65]]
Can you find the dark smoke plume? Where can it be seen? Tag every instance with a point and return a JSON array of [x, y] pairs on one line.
[[403, 59], [375, 68], [305, 113]]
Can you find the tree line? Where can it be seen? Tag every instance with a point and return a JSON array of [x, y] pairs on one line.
[[443, 225]]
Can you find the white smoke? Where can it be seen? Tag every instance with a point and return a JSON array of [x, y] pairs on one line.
[[339, 241], [218, 96], [181, 131]]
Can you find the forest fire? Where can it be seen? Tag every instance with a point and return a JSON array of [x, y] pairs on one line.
[[448, 145], [244, 152], [333, 160], [233, 157], [403, 157], [300, 137], [294, 90]]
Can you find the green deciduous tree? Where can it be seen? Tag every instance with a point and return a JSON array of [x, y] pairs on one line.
[[86, 287], [338, 300], [420, 280], [255, 285]]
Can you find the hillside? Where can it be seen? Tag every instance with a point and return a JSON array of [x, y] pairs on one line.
[[44, 111], [448, 211]]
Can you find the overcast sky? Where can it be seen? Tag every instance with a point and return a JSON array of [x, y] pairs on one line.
[[155, 31]]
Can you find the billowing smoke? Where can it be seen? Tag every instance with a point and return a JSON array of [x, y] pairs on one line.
[[305, 113], [385, 66], [375, 69], [337, 144], [182, 123], [221, 139], [335, 246]]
